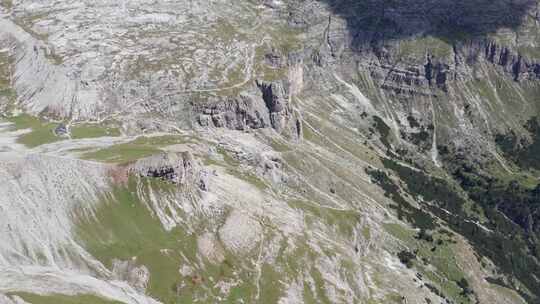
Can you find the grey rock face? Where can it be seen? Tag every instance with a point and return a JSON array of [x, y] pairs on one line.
[[266, 108], [276, 100], [239, 113], [137, 276], [274, 59], [413, 57], [520, 67], [177, 168], [61, 130]]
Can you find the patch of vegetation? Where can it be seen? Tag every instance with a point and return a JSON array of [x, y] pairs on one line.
[[63, 299], [285, 38], [401, 232], [273, 74], [311, 135], [434, 290], [279, 145], [405, 210], [413, 123], [314, 291], [345, 221], [529, 51], [512, 210], [319, 286], [28, 21], [507, 142], [383, 130], [92, 131], [497, 281], [525, 154], [424, 235], [245, 290], [248, 177], [232, 166], [139, 148], [432, 247], [271, 290], [5, 71], [229, 160], [366, 233], [42, 132], [484, 89], [434, 257], [293, 261], [429, 188], [225, 31], [508, 238], [124, 227], [421, 139], [407, 258], [465, 287], [7, 3], [53, 57], [417, 47]]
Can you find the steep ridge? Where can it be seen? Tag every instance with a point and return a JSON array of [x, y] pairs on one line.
[[442, 100]]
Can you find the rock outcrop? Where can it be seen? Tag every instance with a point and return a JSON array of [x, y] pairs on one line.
[[177, 168], [512, 62], [269, 107], [276, 101], [240, 233], [239, 113], [129, 271]]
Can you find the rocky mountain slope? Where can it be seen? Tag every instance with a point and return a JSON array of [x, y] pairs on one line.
[[276, 151]]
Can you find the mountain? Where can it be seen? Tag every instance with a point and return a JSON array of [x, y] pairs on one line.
[[269, 151]]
